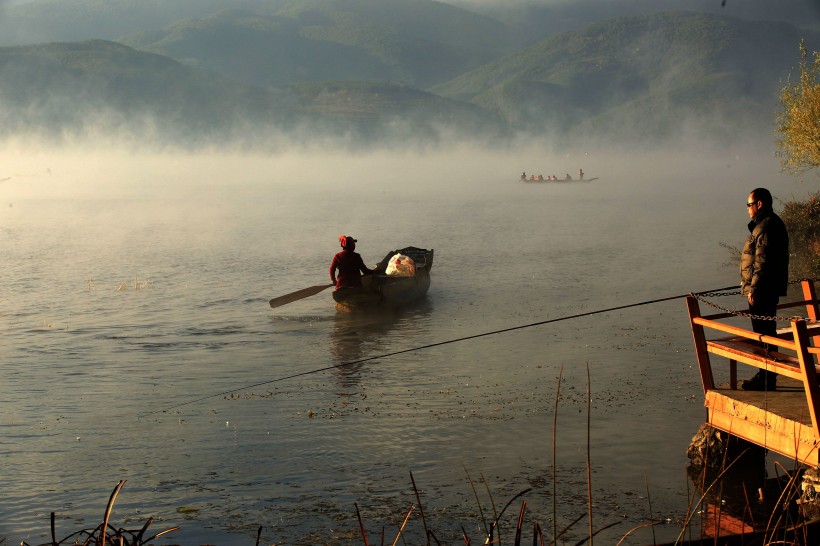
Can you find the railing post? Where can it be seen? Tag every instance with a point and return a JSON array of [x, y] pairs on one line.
[[809, 293], [699, 336], [807, 366]]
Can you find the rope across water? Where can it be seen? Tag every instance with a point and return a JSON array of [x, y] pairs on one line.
[[699, 295]]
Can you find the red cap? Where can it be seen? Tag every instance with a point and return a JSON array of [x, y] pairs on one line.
[[344, 240]]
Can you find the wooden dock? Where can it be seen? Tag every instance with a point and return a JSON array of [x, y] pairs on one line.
[[784, 420]]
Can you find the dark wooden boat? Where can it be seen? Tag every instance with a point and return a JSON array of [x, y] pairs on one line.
[[383, 289]]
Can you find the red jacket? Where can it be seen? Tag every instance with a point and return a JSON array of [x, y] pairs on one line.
[[350, 266]]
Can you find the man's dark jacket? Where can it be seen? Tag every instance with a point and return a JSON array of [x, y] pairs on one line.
[[764, 263]]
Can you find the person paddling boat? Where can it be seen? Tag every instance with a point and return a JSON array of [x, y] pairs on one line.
[[347, 266]]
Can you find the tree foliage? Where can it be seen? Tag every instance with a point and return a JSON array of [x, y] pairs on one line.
[[803, 221], [799, 121]]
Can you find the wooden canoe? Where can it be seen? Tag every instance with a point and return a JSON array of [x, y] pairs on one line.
[[382, 289]]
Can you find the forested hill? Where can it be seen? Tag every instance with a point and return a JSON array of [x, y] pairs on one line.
[[275, 42], [76, 87], [413, 42], [102, 88], [333, 69], [642, 77]]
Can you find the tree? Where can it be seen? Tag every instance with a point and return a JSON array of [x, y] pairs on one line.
[[799, 122], [803, 220]]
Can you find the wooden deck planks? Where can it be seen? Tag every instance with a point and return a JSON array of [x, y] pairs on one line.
[[778, 420]]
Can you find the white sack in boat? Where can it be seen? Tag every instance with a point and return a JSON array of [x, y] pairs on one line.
[[401, 266]]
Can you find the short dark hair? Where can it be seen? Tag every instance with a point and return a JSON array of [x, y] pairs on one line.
[[763, 195]]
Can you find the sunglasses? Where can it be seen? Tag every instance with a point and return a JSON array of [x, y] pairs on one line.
[[751, 204]]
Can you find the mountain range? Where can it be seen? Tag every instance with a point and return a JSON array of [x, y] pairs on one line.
[[386, 72]]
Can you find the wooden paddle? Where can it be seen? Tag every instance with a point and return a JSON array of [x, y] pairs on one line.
[[298, 295]]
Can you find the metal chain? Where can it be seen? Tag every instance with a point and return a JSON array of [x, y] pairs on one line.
[[700, 296]]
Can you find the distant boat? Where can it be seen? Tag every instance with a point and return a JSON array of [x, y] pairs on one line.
[[536, 180], [382, 289]]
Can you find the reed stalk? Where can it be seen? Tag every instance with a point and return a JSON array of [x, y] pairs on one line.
[[108, 511], [361, 524], [748, 506], [589, 456], [567, 528], [555, 457], [537, 535], [421, 510], [636, 528], [477, 500], [520, 523], [649, 502], [401, 529], [465, 536], [490, 495]]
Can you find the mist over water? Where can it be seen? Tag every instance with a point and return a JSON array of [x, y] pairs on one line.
[[134, 294]]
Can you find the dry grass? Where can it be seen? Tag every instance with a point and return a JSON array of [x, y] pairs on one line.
[[105, 533]]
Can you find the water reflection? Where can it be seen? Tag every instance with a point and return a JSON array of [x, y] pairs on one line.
[[360, 335], [741, 498]]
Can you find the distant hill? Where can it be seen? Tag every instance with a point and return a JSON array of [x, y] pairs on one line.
[[539, 20], [643, 78], [54, 88], [37, 21], [273, 42], [333, 69], [413, 42], [100, 87], [34, 21]]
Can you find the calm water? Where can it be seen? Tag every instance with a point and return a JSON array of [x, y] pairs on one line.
[[133, 314]]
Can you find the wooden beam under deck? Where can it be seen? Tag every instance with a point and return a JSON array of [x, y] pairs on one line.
[[778, 420]]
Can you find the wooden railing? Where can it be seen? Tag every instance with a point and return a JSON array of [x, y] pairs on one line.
[[790, 353]]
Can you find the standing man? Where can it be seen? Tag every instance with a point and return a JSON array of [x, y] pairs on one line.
[[349, 264], [764, 273]]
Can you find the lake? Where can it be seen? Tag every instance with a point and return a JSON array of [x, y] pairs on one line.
[[138, 344]]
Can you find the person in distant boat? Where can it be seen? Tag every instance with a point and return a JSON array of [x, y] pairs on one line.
[[349, 265], [532, 177], [580, 174], [524, 176], [540, 177], [568, 177], [764, 274]]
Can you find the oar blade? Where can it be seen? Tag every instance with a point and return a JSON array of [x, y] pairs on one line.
[[298, 295]]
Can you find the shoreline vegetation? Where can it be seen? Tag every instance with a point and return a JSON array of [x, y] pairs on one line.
[[803, 220], [721, 509], [798, 147], [721, 512]]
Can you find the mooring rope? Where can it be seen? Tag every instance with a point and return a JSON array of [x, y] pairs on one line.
[[715, 291]]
